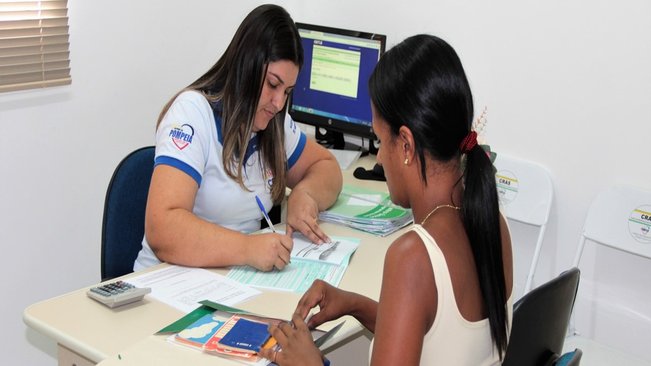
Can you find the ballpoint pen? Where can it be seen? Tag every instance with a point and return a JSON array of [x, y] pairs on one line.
[[271, 226], [264, 213]]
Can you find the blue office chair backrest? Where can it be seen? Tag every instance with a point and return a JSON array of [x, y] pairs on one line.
[[540, 321], [123, 225]]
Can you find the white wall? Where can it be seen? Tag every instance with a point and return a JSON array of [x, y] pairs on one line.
[[567, 84]]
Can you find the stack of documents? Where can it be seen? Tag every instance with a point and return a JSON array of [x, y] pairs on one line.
[[308, 262], [367, 210]]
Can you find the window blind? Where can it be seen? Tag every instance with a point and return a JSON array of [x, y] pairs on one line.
[[34, 44]]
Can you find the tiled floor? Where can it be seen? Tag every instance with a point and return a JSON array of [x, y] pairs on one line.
[[599, 355]]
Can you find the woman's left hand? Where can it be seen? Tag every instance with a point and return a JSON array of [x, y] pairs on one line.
[[302, 215], [296, 345]]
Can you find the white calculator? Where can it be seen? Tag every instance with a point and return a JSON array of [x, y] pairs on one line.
[[117, 293]]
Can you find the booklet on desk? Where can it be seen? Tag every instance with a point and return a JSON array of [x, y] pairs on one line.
[[241, 335], [232, 333], [199, 332], [240, 338]]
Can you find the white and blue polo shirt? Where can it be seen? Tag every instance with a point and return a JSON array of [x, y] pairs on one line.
[[190, 138]]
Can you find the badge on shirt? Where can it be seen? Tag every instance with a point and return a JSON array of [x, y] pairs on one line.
[[182, 135]]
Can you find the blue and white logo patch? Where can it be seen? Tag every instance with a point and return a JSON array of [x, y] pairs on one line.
[[182, 136]]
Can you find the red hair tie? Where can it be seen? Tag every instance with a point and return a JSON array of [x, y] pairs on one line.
[[469, 142]]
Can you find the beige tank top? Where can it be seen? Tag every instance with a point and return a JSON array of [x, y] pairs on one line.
[[452, 340]]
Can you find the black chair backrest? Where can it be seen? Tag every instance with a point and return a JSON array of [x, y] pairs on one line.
[[572, 358], [123, 226], [540, 321]]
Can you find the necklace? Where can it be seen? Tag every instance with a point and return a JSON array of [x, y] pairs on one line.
[[436, 208]]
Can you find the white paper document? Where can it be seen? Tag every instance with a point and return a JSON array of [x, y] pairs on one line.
[[334, 252], [182, 287], [345, 158], [367, 200], [308, 262]]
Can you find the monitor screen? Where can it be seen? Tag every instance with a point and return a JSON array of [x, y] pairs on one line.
[[331, 91]]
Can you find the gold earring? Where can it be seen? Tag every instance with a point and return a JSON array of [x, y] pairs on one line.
[[406, 161]]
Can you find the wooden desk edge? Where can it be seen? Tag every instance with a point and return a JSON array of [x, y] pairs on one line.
[[81, 348]]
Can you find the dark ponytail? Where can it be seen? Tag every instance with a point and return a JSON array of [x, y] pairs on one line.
[[481, 218], [420, 83]]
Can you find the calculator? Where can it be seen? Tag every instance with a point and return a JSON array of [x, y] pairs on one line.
[[117, 293]]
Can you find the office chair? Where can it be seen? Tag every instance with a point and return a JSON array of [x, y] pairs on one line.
[[525, 191], [572, 358], [619, 218], [540, 321], [123, 225]]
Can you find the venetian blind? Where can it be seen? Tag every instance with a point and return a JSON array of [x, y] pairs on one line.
[[34, 47]]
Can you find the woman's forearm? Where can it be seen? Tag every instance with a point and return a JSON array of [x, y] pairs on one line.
[[178, 236], [364, 310], [322, 182]]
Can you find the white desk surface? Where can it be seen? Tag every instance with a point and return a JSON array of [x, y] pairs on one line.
[[125, 334]]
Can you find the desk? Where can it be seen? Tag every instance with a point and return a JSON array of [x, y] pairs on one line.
[[88, 333]]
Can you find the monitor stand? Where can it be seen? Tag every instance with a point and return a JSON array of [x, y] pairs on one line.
[[335, 140]]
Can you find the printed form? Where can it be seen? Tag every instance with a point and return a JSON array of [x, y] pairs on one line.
[[183, 287], [309, 262]]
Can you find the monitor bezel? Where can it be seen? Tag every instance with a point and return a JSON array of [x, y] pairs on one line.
[[329, 123]]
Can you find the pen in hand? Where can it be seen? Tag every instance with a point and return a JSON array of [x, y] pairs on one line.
[[271, 225], [264, 213]]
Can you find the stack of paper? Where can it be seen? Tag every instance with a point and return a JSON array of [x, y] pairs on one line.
[[367, 210]]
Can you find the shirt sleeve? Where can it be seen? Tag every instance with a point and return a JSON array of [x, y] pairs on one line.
[[183, 136], [295, 141]]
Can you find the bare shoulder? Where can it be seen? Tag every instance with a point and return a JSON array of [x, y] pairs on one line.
[[407, 266], [408, 280], [406, 250], [407, 304]]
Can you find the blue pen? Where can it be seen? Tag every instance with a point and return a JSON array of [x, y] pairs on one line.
[[271, 226], [264, 213]]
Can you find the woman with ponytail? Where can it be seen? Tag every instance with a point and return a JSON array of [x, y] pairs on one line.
[[447, 283]]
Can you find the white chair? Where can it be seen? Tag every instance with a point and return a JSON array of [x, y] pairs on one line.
[[525, 191], [619, 218]]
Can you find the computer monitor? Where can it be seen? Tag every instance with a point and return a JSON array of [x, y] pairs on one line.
[[331, 91]]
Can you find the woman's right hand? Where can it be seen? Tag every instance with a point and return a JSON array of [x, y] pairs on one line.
[[333, 303], [269, 251]]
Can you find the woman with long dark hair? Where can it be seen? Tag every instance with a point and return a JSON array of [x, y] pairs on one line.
[[225, 142], [447, 282]]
